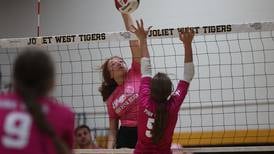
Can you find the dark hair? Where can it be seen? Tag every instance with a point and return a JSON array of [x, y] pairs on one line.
[[161, 87], [33, 75], [109, 84], [81, 127]]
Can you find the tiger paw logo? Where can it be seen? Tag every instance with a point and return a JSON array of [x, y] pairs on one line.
[[121, 2], [129, 90], [125, 35], [256, 26]]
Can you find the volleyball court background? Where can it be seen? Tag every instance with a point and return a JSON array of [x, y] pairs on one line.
[[230, 100]]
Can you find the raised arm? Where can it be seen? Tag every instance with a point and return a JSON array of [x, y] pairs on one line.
[[141, 33], [134, 44], [186, 37]]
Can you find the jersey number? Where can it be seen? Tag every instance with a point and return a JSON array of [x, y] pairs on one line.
[[150, 122], [16, 130]]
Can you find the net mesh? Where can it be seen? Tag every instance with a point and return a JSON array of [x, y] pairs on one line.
[[230, 100]]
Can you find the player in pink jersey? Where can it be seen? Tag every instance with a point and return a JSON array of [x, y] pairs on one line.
[[119, 90], [31, 122], [158, 106]]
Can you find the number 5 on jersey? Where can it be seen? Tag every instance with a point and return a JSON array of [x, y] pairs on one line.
[[150, 122]]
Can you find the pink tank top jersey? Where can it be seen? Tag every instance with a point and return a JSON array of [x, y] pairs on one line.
[[146, 118], [19, 133], [122, 102]]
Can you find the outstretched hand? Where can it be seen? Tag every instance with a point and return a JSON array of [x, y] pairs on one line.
[[139, 31], [186, 36]]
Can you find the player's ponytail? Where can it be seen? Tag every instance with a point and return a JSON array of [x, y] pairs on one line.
[[161, 87], [33, 78]]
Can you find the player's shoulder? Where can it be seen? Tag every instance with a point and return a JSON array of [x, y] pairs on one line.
[[135, 69], [8, 100], [5, 96]]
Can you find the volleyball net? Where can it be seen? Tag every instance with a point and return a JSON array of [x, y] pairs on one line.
[[230, 100]]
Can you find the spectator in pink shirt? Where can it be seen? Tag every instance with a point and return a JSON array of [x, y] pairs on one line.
[[158, 106], [119, 90], [31, 121]]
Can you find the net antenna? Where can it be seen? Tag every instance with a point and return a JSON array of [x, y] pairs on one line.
[[38, 12]]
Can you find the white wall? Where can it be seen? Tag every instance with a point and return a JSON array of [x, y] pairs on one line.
[[17, 17]]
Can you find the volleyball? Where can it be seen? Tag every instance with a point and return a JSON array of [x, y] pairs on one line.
[[127, 6]]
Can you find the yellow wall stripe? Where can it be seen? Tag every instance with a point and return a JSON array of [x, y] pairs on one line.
[[224, 137], [216, 138]]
